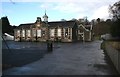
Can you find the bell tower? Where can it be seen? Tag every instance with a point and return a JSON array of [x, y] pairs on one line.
[[45, 17]]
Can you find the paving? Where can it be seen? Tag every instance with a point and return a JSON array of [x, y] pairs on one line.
[[21, 53], [69, 59]]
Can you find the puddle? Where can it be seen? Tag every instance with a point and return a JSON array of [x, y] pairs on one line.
[[101, 66]]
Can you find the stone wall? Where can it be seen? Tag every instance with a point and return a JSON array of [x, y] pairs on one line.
[[114, 54]]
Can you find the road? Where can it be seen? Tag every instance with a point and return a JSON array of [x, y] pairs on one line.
[[69, 59]]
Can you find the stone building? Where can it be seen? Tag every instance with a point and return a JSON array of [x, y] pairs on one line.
[[85, 32], [64, 31]]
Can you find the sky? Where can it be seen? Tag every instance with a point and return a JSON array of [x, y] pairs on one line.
[[27, 11]]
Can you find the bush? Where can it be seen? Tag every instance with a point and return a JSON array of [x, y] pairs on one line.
[[115, 29]]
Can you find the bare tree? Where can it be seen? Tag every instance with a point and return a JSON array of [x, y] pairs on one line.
[[115, 10]]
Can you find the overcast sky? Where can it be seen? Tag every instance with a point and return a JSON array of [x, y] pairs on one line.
[[26, 11]]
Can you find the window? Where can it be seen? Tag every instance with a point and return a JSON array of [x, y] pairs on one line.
[[34, 32], [28, 33], [52, 31], [43, 33], [23, 33], [66, 32], [59, 32], [18, 33], [39, 33]]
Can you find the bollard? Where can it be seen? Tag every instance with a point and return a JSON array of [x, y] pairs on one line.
[[49, 46]]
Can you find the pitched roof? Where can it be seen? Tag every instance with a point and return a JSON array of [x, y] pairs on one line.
[[27, 25], [52, 24], [62, 23]]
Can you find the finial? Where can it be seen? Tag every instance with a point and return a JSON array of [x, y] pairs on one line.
[[45, 11], [45, 17]]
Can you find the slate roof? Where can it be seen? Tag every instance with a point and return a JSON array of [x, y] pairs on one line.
[[51, 24], [62, 23], [27, 25]]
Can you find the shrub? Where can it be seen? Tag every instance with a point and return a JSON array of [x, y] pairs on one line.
[[115, 29]]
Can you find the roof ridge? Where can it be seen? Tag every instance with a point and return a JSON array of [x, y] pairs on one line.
[[28, 23]]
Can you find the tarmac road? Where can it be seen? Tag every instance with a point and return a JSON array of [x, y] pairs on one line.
[[69, 59]]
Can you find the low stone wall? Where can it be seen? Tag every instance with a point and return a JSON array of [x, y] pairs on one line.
[[114, 54]]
